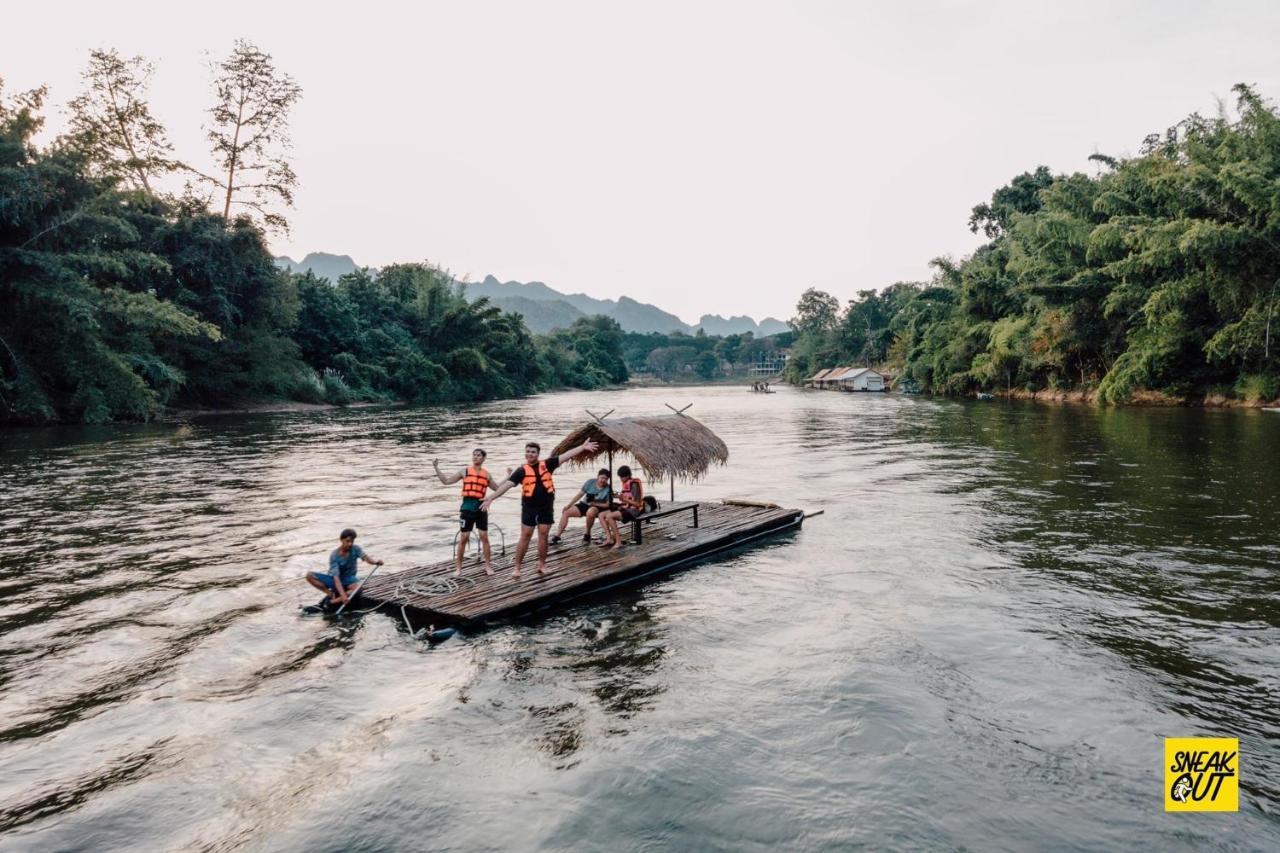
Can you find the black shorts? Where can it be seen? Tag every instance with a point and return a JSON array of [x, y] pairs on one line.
[[531, 515], [630, 514], [582, 508], [477, 518]]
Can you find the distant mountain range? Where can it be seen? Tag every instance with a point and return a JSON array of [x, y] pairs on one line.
[[545, 308], [322, 264]]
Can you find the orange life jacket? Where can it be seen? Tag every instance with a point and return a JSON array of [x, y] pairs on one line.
[[531, 479], [638, 494], [475, 483]]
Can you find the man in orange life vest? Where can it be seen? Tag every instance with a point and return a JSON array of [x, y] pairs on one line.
[[475, 485], [538, 497]]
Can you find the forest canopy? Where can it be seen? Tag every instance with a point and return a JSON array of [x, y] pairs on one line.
[[1159, 273], [118, 299]]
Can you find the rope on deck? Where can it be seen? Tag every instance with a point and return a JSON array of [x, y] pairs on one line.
[[406, 587], [427, 588]]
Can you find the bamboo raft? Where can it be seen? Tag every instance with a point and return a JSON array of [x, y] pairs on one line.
[[429, 594]]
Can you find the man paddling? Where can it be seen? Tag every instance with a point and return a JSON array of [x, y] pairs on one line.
[[476, 483], [341, 583], [538, 496]]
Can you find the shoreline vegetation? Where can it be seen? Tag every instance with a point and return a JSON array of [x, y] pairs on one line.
[[280, 405], [1088, 397], [121, 300], [1138, 399], [1154, 281]]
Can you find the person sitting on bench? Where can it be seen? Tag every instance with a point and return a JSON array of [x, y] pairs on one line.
[[631, 501], [591, 500]]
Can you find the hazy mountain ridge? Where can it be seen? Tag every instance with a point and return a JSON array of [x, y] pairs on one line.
[[540, 315], [714, 324], [545, 308], [320, 264], [631, 314]]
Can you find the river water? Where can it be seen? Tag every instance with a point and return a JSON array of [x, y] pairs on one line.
[[981, 644]]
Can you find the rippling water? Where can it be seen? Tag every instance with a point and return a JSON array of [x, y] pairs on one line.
[[981, 644]]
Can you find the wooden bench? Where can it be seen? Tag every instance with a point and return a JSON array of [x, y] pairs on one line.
[[636, 534]]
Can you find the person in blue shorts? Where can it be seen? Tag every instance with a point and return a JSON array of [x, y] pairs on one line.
[[341, 583], [591, 500]]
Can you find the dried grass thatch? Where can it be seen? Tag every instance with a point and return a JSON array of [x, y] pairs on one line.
[[663, 445]]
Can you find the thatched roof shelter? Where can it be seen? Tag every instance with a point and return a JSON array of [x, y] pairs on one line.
[[663, 445]]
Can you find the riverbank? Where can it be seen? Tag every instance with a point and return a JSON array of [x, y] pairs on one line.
[[658, 382], [262, 407], [1138, 398]]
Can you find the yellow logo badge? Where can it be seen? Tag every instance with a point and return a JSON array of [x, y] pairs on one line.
[[1201, 774]]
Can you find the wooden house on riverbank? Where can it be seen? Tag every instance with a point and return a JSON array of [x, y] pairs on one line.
[[819, 379], [859, 379], [849, 379]]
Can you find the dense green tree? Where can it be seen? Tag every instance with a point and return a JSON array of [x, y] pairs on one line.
[[81, 337], [593, 349], [1021, 196], [817, 313], [116, 302], [1161, 272]]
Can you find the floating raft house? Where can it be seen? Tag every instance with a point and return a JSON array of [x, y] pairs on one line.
[[677, 535]]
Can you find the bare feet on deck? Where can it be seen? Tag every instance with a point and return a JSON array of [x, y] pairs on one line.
[[488, 568], [516, 573]]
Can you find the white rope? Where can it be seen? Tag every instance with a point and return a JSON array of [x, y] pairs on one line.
[[427, 588]]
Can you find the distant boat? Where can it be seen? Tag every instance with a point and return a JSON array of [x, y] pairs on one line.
[[985, 396]]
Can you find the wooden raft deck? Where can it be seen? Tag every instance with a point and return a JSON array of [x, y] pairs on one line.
[[575, 568]]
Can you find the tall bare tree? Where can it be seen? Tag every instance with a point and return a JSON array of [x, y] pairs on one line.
[[113, 123], [250, 133]]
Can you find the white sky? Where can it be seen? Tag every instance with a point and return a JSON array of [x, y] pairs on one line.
[[708, 157]]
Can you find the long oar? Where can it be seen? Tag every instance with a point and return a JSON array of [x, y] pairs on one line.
[[359, 586]]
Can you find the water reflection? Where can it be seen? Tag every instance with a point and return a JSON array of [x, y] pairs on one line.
[[1143, 521]]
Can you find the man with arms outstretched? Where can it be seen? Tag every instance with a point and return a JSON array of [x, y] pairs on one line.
[[537, 497], [476, 482]]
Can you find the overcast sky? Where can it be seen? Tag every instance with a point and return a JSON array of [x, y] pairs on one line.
[[708, 157]]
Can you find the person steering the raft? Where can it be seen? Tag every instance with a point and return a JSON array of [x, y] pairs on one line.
[[591, 500], [476, 483], [537, 497], [341, 583]]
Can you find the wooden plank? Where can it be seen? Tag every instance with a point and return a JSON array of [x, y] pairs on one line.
[[573, 568]]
